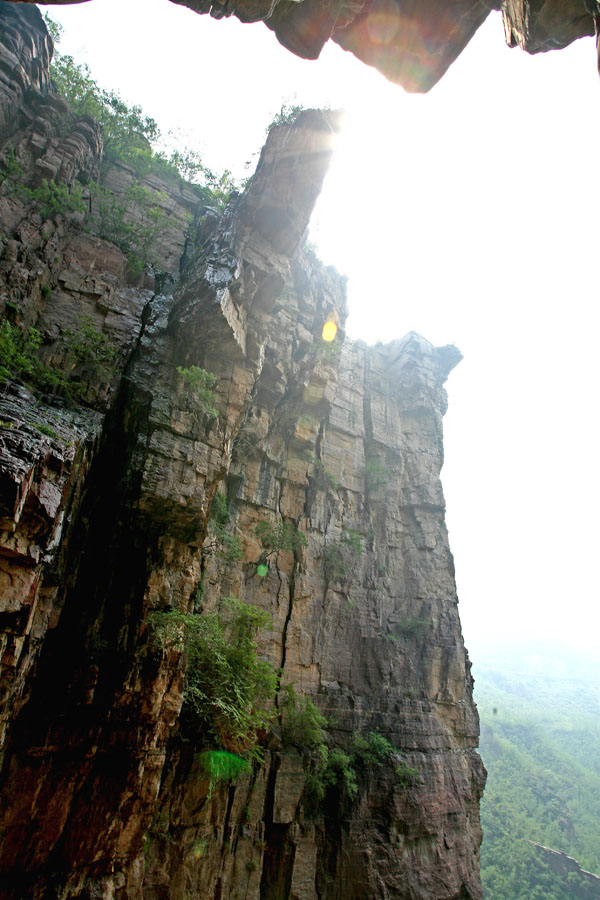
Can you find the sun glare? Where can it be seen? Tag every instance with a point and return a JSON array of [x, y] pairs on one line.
[[329, 330]]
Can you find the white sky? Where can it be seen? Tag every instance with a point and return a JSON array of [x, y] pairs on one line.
[[468, 215]]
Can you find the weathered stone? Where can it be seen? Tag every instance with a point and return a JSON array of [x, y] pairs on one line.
[[25, 52], [413, 44]]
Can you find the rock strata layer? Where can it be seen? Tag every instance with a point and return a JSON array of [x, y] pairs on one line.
[[105, 523]]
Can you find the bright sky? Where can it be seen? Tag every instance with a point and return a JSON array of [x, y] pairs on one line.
[[469, 215]]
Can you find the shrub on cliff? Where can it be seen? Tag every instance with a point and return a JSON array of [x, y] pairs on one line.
[[287, 114], [54, 198], [339, 558], [227, 545], [228, 689], [376, 474], [333, 775], [222, 766], [129, 134], [280, 536], [303, 724], [135, 223], [88, 358], [371, 750], [201, 383]]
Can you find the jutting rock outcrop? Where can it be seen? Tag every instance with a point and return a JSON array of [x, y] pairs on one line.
[[412, 42], [190, 438]]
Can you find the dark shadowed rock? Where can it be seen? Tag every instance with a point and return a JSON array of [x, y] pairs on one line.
[[412, 42], [538, 26]]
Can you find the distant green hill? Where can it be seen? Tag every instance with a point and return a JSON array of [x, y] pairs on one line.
[[540, 742]]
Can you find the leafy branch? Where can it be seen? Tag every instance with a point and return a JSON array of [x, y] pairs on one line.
[[201, 383], [228, 690]]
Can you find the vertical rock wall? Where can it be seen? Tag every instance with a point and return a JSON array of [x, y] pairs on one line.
[[105, 521]]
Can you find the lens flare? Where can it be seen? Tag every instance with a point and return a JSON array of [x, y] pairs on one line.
[[329, 331]]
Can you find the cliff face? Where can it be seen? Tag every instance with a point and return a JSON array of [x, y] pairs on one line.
[[106, 527]]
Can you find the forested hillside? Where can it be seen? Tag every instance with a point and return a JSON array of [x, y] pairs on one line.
[[540, 739]]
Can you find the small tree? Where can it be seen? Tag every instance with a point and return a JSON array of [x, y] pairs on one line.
[[201, 382], [287, 115], [280, 536]]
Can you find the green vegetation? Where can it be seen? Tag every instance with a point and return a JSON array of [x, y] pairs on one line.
[[540, 738], [231, 548], [406, 775], [303, 725], [45, 429], [228, 545], [19, 354], [372, 750], [338, 770], [339, 773], [201, 382], [220, 765], [287, 115], [325, 480], [334, 563], [334, 773], [10, 170], [228, 689], [376, 474], [91, 350], [89, 358], [408, 627], [326, 351], [353, 540], [280, 536], [309, 246], [338, 558], [135, 223], [129, 135], [127, 131], [54, 198], [219, 512]]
